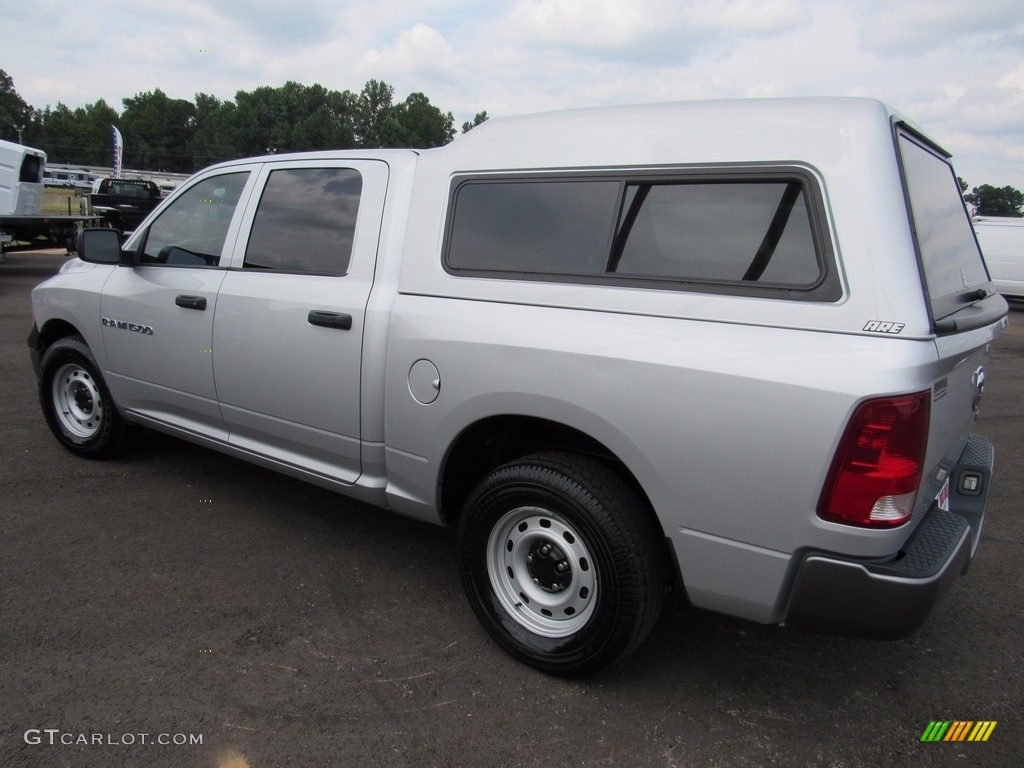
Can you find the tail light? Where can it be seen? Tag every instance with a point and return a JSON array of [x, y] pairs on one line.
[[877, 468]]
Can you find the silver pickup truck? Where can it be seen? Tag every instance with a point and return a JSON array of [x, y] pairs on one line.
[[736, 348]]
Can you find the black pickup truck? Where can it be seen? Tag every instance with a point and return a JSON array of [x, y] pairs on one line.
[[124, 203]]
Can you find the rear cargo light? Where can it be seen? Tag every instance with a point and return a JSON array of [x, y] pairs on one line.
[[877, 468]]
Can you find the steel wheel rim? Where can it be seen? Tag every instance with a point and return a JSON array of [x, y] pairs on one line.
[[542, 572], [77, 403]]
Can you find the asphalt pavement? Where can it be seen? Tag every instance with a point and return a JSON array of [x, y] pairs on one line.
[[176, 607]]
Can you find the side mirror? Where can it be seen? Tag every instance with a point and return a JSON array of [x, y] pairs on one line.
[[99, 245]]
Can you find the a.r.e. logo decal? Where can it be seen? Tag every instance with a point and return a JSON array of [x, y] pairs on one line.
[[881, 326]]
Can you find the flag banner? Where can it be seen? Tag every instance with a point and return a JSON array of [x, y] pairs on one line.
[[118, 152]]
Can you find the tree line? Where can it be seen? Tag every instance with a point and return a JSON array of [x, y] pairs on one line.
[[165, 134], [987, 200]]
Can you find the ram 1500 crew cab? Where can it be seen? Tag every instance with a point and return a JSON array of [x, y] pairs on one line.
[[733, 347]]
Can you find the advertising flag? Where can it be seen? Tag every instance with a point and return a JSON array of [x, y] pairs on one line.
[[118, 152]]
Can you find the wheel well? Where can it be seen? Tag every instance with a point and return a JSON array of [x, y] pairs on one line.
[[497, 440], [53, 330]]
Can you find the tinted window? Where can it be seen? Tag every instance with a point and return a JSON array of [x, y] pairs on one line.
[[306, 221], [949, 253], [128, 188], [740, 232], [756, 232], [548, 227], [30, 167], [191, 231]]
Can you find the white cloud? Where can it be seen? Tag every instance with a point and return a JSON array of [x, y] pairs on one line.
[[644, 30], [912, 27], [954, 67], [990, 111], [420, 50], [1013, 79], [592, 24], [754, 17]]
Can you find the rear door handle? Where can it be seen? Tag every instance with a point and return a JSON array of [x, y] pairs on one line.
[[191, 302], [330, 319]]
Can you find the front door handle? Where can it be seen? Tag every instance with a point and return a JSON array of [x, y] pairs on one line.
[[191, 302], [330, 319]]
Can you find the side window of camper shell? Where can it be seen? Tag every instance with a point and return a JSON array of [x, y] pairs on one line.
[[756, 233]]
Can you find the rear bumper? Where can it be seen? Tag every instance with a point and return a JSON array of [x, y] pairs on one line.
[[891, 600]]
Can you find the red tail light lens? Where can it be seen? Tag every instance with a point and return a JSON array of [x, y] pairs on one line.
[[877, 469]]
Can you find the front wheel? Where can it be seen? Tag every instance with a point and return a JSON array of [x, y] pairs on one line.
[[76, 402], [561, 562]]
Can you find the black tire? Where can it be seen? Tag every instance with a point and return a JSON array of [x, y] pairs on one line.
[[77, 403], [562, 562]]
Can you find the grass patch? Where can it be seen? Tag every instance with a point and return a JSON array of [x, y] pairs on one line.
[[56, 201]]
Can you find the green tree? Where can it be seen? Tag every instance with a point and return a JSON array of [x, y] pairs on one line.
[[481, 117], [374, 121], [214, 132], [15, 114], [996, 201], [323, 119], [94, 123], [62, 138], [423, 125], [156, 131], [81, 136], [322, 129], [259, 124], [293, 118], [161, 133]]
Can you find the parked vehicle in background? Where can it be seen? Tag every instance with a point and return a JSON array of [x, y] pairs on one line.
[[1002, 244], [62, 176], [124, 203], [21, 195], [21, 179], [620, 349]]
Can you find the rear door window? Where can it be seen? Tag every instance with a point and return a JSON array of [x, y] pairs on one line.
[[306, 221]]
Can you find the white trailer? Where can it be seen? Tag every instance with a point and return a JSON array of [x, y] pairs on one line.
[[21, 197], [21, 179]]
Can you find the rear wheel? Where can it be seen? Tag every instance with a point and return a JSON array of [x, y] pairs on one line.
[[76, 402], [561, 562]]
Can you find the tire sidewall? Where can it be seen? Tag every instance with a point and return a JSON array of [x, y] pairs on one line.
[[597, 642], [62, 352]]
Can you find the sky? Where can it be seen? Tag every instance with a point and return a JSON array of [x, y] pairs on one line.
[[955, 68]]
